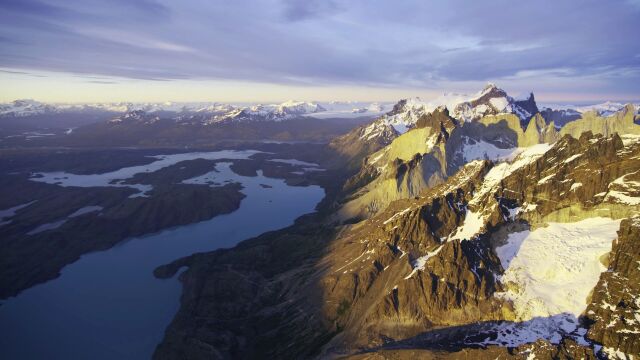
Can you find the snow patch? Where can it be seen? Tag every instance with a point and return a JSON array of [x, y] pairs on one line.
[[419, 263], [397, 215], [479, 150], [623, 191], [574, 186], [572, 158], [473, 224]]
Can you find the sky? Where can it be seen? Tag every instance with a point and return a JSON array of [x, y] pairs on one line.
[[274, 50]]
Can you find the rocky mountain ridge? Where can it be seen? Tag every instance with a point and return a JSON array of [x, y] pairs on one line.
[[438, 145], [429, 270]]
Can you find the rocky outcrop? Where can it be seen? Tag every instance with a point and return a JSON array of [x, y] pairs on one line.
[[539, 132], [614, 311], [560, 116], [438, 120], [536, 130], [574, 180], [410, 164], [351, 148], [529, 105]]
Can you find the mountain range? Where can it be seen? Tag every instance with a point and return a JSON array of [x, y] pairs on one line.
[[475, 230], [276, 112]]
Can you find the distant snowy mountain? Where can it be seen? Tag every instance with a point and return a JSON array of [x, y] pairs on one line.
[[603, 109], [223, 113], [563, 114], [352, 109], [135, 116], [29, 107], [206, 112], [274, 112], [24, 107], [606, 108]]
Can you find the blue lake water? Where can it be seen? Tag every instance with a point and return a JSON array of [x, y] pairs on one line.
[[108, 305]]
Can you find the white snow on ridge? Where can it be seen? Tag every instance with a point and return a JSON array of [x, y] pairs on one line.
[[607, 108], [58, 223], [86, 210], [420, 263], [524, 157], [378, 129], [624, 191], [22, 108], [273, 112], [629, 139], [48, 226], [398, 214], [473, 224], [474, 221], [512, 334]]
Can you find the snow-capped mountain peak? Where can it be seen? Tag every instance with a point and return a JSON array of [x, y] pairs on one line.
[[607, 108], [293, 107], [272, 112], [24, 107], [491, 100]]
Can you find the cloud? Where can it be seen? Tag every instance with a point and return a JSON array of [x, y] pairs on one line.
[[24, 73], [133, 39], [326, 43]]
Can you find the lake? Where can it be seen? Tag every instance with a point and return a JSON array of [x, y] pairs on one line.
[[108, 305]]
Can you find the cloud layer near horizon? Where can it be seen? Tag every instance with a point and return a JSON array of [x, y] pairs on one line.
[[563, 46]]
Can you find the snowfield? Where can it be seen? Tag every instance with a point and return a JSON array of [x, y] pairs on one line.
[[549, 272]]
